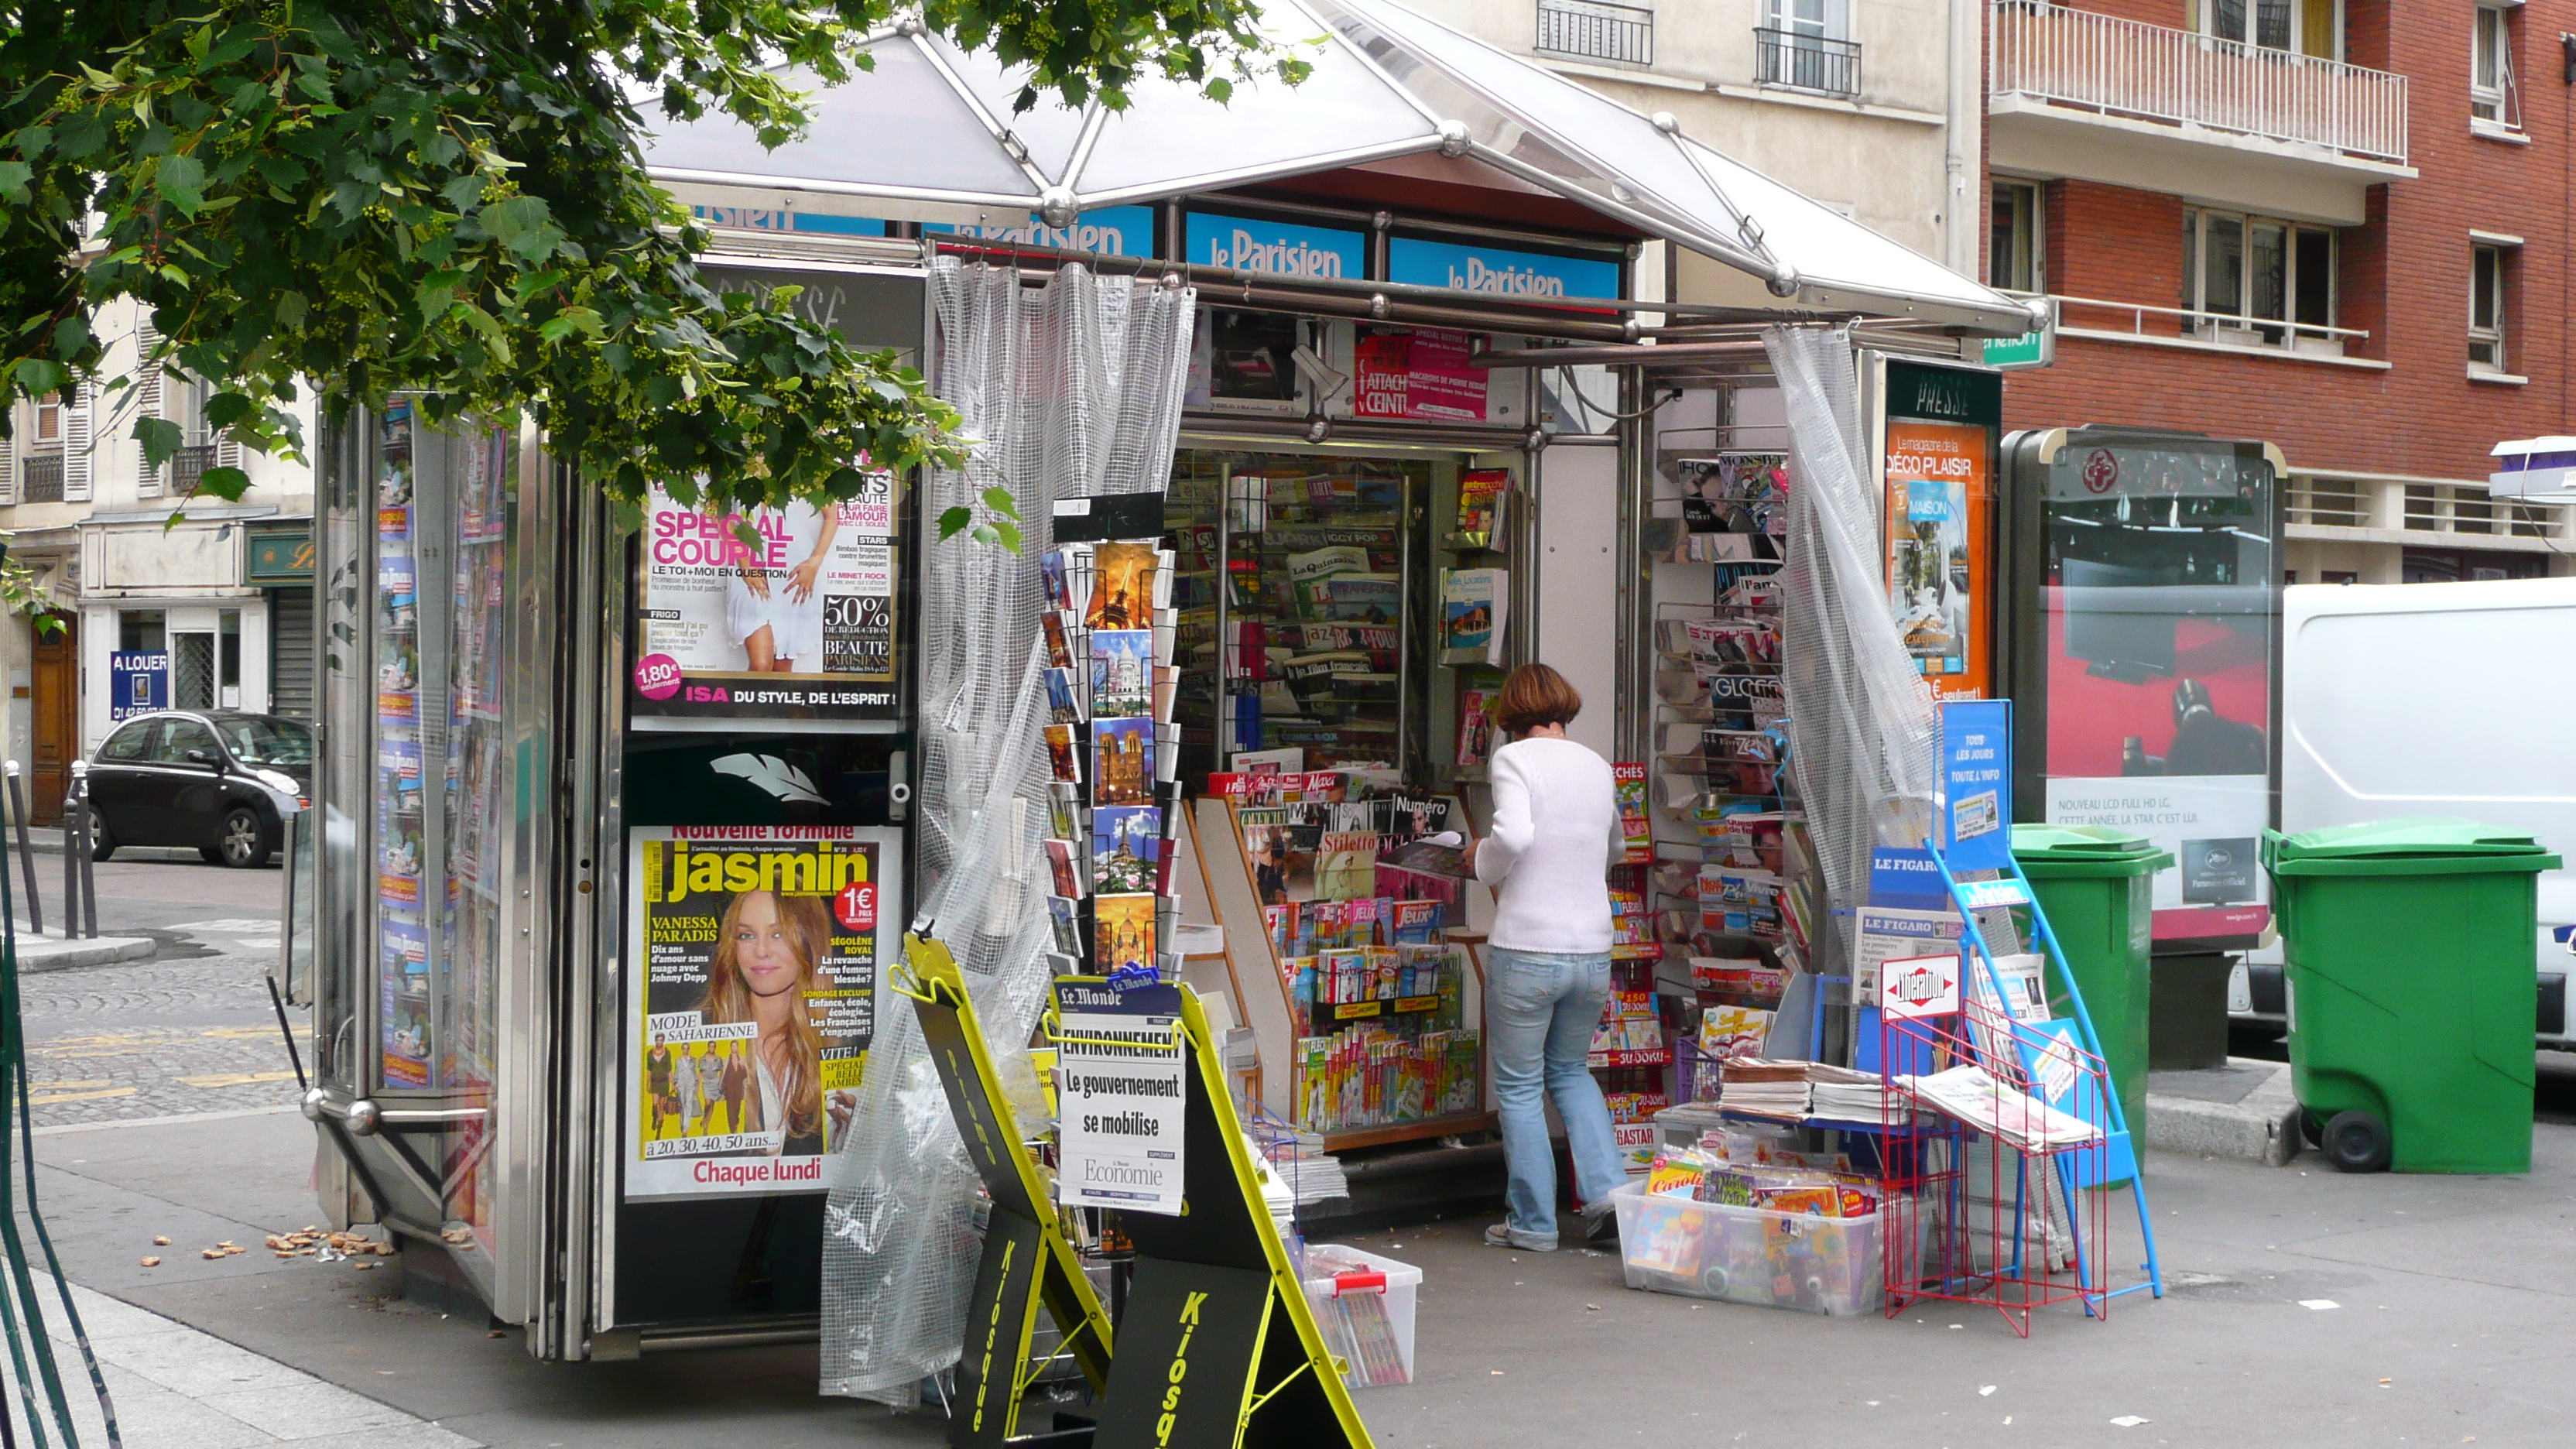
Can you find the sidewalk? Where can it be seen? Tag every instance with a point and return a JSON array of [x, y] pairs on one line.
[[48, 840], [108, 1190], [51, 952], [2303, 1307], [177, 1388]]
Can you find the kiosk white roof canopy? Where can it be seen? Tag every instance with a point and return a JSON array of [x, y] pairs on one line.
[[934, 125]]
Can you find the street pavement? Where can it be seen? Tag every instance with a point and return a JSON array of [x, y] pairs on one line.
[[188, 1029], [2304, 1307]]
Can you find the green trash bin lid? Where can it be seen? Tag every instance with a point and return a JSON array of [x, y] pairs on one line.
[[2423, 845], [2055, 851]]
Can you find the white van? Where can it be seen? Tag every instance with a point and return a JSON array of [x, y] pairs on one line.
[[2433, 699]]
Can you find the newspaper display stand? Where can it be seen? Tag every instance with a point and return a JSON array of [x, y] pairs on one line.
[[2046, 1097], [1969, 1165], [1218, 1346], [1028, 1262]]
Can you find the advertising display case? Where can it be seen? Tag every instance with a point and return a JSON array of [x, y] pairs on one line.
[[2143, 656]]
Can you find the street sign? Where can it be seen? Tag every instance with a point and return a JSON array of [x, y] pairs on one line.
[[2031, 349], [138, 682]]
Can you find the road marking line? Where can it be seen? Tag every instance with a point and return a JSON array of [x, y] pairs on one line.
[[236, 1079], [80, 1096], [173, 1120]]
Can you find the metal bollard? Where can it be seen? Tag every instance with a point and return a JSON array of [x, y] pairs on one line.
[[88, 845], [26, 851], [74, 809]]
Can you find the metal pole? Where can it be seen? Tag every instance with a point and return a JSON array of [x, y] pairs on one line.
[[26, 851], [88, 847], [72, 810]]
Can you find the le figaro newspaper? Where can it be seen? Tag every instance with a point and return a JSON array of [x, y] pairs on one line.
[[774, 613], [753, 957]]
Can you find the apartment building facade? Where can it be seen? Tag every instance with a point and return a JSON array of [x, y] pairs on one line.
[[1869, 106], [214, 611], [2337, 225]]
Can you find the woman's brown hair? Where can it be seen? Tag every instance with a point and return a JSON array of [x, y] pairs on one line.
[[1534, 695], [809, 925]]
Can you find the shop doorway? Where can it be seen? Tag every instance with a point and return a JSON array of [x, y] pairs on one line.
[[54, 705]]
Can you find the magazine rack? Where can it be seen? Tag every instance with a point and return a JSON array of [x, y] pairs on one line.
[[2009, 889], [1961, 1202], [1231, 877]]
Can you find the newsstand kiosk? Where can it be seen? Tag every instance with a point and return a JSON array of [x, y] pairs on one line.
[[586, 789]]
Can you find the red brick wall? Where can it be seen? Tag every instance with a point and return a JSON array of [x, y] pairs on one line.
[[2403, 276]]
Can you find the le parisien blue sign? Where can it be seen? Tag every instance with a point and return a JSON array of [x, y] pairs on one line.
[[1466, 267], [1110, 231], [1276, 248]]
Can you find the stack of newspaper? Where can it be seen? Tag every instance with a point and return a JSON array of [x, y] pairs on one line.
[[1309, 1172], [1845, 1095], [1763, 1087]]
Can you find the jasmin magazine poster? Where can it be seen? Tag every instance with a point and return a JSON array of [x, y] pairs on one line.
[[753, 954]]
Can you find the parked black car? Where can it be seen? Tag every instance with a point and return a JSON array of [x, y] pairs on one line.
[[222, 782]]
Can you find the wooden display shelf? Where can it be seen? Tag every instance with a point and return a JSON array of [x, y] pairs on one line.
[[1414, 1131]]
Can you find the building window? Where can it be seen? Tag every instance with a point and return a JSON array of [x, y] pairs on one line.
[[2256, 279], [2304, 27], [1806, 44], [1596, 31], [2493, 97], [2486, 309], [40, 475], [2014, 260]]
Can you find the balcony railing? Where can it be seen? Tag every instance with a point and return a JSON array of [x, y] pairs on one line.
[[2221, 327], [40, 478], [1596, 31], [188, 465], [1808, 62], [2152, 73]]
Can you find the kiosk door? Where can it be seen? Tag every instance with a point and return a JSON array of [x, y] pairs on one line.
[[424, 877]]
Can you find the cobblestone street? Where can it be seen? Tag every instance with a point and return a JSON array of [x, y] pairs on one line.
[[187, 1030]]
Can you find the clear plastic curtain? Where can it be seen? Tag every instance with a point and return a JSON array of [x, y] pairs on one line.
[[1863, 736], [1071, 389]]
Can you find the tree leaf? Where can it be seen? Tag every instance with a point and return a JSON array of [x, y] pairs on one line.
[[953, 520], [228, 484], [999, 500], [160, 438], [181, 180]]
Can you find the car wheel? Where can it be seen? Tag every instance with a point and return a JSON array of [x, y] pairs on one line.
[[245, 840], [2357, 1142], [101, 844]]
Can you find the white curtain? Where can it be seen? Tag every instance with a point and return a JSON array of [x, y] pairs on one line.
[[1071, 389]]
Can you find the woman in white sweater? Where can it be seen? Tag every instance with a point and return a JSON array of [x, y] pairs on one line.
[[1555, 828]]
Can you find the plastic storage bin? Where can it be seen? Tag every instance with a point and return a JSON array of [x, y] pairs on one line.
[[1364, 1305], [1750, 1255], [2409, 948]]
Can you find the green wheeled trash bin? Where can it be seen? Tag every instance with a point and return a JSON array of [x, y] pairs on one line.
[[2097, 887], [2411, 990]]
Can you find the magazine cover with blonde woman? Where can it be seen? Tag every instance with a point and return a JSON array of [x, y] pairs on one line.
[[753, 954]]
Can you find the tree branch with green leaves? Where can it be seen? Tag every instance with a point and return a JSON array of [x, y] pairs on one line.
[[448, 200]]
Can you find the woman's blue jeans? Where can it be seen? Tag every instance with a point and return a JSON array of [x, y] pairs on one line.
[[1540, 1012]]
